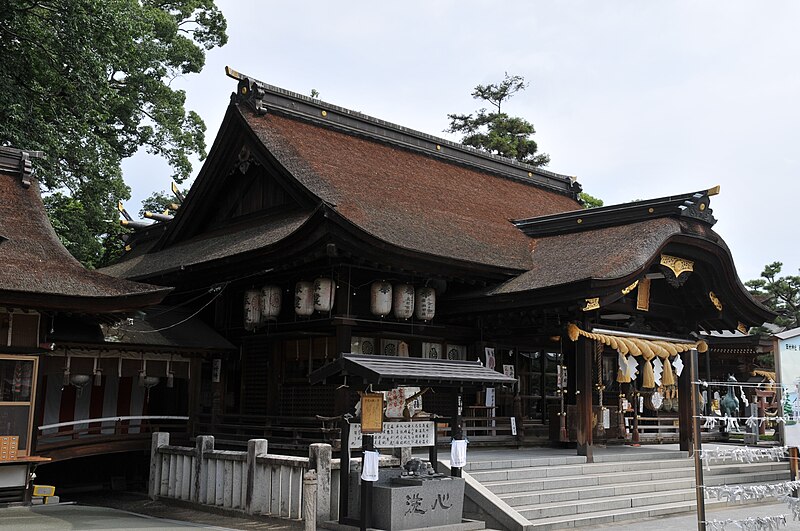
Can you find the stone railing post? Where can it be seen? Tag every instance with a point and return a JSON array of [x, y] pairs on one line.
[[255, 490], [319, 459], [159, 439], [310, 500], [203, 444]]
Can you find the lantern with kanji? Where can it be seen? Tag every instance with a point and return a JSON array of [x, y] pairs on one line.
[[403, 301], [271, 299], [252, 309], [425, 303], [324, 294], [304, 298], [380, 298]]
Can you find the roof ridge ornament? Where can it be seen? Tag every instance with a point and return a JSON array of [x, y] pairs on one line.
[[13, 160], [693, 205]]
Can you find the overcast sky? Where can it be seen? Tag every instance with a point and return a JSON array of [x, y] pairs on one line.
[[637, 99]]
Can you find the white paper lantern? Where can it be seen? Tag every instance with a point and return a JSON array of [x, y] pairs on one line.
[[252, 309], [380, 298], [324, 294], [271, 298], [403, 301], [425, 303], [304, 298]]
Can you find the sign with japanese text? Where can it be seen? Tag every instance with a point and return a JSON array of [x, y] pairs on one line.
[[372, 413], [398, 435]]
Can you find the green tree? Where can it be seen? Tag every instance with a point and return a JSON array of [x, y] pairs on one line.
[[590, 201], [495, 131], [779, 294], [88, 83]]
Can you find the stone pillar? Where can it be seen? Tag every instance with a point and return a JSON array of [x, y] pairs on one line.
[[159, 439], [255, 490], [203, 444], [319, 459], [310, 508]]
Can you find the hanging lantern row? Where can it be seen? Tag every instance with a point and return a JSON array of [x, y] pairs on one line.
[[264, 304], [404, 299]]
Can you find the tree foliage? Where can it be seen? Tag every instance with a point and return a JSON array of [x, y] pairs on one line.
[[88, 83], [779, 294], [495, 131], [590, 201]]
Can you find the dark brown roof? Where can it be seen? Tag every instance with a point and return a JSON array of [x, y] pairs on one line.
[[411, 200], [208, 247], [157, 328], [601, 254], [38, 272]]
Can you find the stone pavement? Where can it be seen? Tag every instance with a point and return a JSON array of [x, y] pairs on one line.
[[63, 516], [136, 511]]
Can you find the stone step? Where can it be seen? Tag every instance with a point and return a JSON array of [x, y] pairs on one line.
[[726, 474], [581, 507], [601, 491], [664, 485], [477, 462], [636, 455], [611, 516], [477, 465], [576, 470]]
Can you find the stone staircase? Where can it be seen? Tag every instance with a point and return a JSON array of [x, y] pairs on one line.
[[563, 492]]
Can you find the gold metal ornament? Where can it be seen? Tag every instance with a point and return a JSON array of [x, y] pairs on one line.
[[591, 304], [630, 288], [677, 265], [717, 303]]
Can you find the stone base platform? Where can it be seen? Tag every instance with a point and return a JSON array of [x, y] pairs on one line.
[[465, 525]]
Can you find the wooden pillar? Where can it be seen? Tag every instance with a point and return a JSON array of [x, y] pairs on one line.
[[685, 390], [194, 383], [344, 334], [583, 396], [366, 486], [344, 472]]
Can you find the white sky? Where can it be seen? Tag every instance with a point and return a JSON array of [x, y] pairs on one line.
[[638, 99]]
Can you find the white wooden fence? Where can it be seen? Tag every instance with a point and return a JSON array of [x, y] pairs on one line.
[[254, 481]]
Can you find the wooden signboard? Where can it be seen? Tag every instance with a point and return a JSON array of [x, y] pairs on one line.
[[371, 413]]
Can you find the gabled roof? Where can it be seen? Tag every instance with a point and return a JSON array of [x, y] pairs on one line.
[[391, 371], [36, 271], [411, 191]]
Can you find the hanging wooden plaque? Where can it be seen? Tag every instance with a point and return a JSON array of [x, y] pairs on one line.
[[371, 413]]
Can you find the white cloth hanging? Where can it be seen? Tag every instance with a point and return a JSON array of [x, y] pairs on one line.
[[370, 468], [458, 453]]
